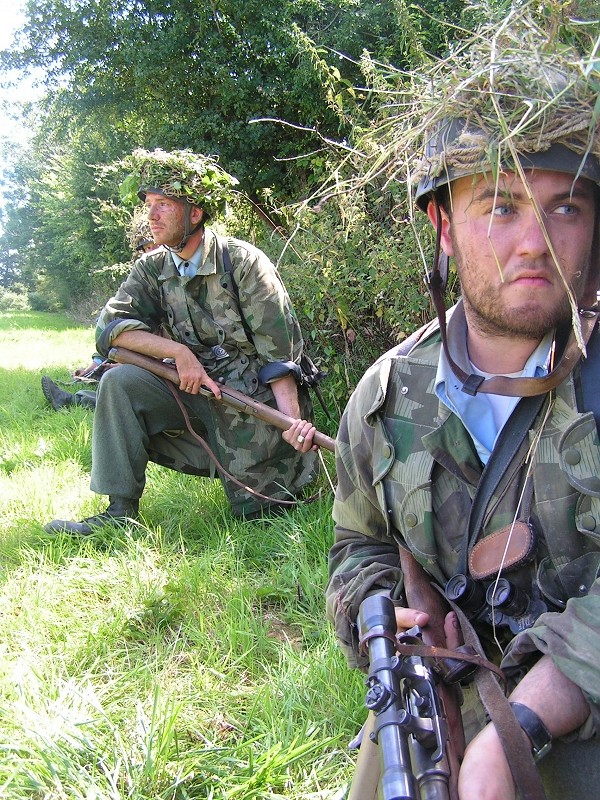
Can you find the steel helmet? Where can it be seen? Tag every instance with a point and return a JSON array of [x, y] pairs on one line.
[[512, 100], [458, 149]]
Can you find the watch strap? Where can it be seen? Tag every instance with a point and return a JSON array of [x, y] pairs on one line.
[[538, 734]]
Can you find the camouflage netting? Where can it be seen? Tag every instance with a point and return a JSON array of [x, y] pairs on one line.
[[139, 232]]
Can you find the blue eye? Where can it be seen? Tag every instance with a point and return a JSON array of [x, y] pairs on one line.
[[502, 211]]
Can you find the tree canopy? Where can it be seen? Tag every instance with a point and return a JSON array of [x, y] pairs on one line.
[[270, 88], [182, 74]]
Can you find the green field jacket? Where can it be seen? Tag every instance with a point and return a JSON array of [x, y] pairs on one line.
[[407, 472], [204, 312]]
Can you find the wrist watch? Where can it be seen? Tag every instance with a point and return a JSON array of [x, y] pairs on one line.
[[537, 733]]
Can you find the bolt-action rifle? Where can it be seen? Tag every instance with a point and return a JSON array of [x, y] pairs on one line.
[[230, 397], [410, 721], [413, 698]]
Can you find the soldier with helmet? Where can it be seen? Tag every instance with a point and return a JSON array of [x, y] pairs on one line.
[[508, 172], [216, 308]]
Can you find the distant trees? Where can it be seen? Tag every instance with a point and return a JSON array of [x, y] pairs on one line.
[[185, 74]]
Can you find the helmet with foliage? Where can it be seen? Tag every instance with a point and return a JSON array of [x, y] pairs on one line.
[[530, 114], [520, 94], [180, 174]]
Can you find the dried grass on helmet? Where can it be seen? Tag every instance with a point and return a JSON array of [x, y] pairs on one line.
[[520, 86]]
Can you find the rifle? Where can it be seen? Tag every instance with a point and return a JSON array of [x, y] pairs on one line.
[[410, 723], [230, 397]]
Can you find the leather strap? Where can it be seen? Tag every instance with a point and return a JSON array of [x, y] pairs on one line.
[[507, 446], [515, 743], [216, 461], [537, 733]]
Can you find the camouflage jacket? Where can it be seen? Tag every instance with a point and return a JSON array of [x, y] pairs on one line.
[[407, 472], [203, 312]]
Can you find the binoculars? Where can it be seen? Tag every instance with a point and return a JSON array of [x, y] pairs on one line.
[[499, 602]]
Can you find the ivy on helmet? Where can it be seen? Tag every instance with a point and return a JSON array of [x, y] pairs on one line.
[[182, 174]]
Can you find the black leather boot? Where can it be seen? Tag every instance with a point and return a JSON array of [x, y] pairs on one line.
[[119, 511], [56, 396]]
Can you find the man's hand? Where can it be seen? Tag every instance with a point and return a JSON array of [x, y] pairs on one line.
[[85, 370], [300, 436], [192, 375], [409, 617]]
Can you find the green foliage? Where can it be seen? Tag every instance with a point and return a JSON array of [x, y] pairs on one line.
[[13, 301], [196, 178], [186, 656], [284, 94], [183, 76]]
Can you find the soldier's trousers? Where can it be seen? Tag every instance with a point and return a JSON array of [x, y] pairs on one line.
[[137, 420]]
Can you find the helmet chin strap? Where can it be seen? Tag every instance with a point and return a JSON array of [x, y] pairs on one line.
[[188, 231], [500, 384]]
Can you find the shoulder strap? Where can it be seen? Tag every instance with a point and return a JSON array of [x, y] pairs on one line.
[[507, 446], [587, 381], [503, 453], [227, 263], [228, 267], [311, 375]]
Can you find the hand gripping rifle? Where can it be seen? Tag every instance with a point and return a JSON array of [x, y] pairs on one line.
[[415, 717], [230, 397]]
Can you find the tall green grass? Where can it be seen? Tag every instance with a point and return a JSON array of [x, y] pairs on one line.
[[187, 656]]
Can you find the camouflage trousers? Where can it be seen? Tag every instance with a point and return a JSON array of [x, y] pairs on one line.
[[137, 420]]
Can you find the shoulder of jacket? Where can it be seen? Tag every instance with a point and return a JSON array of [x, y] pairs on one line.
[[239, 250], [153, 260], [371, 390]]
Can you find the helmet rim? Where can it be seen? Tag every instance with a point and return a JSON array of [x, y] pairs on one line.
[[558, 157]]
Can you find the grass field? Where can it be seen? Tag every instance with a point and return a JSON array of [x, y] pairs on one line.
[[187, 656]]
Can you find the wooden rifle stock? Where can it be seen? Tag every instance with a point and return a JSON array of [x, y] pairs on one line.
[[230, 397]]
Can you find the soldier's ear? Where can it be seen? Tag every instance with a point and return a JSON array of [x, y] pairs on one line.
[[444, 232], [197, 215]]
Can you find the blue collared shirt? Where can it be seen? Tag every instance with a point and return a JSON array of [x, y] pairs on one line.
[[483, 415], [188, 267]]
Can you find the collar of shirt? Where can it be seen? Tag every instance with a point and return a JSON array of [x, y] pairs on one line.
[[483, 415], [188, 267]]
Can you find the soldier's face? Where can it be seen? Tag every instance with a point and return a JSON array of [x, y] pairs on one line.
[[506, 239], [166, 218]]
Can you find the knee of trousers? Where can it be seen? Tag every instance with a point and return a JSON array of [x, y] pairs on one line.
[[126, 378]]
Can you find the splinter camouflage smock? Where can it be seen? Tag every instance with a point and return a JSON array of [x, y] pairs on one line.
[[204, 313], [407, 471]]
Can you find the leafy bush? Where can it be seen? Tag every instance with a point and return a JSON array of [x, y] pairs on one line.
[[13, 300]]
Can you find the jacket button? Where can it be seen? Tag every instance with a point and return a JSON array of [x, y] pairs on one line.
[[387, 451], [572, 456], [588, 522], [411, 520]]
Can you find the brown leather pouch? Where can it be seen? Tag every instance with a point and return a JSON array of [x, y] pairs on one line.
[[504, 549]]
